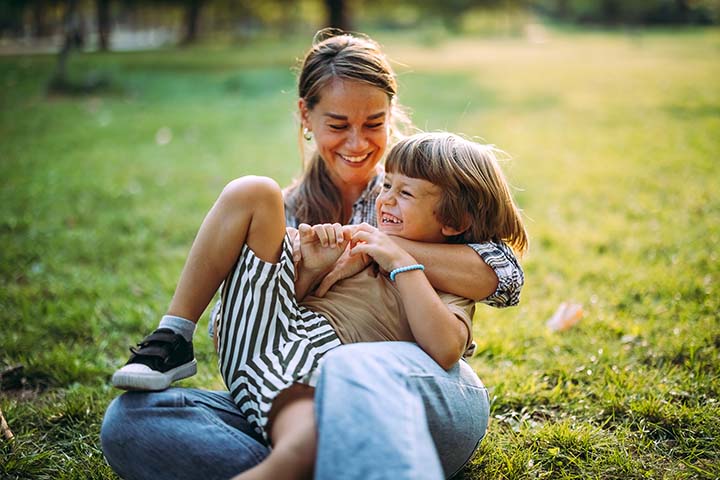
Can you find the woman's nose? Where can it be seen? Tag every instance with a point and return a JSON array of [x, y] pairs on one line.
[[357, 141]]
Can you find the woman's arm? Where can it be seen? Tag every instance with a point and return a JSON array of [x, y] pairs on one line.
[[451, 268], [487, 272]]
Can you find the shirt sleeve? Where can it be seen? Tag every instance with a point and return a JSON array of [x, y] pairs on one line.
[[502, 260], [464, 309]]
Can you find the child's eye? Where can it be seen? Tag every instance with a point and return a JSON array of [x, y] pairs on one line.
[[386, 185], [406, 193]]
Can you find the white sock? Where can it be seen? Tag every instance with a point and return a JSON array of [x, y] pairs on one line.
[[179, 325]]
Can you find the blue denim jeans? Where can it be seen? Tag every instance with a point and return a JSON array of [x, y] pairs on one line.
[[384, 410]]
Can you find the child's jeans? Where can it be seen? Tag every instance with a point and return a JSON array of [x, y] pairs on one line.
[[384, 410]]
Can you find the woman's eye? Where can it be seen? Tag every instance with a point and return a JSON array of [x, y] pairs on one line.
[[375, 125], [337, 127]]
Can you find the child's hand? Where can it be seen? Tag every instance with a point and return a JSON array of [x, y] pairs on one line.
[[345, 267], [387, 254], [321, 245]]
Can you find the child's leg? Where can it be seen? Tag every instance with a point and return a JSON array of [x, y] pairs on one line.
[[249, 211], [294, 439]]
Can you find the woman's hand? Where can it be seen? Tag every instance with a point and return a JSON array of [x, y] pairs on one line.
[[368, 240]]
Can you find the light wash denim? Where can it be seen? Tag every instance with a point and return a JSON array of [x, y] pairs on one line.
[[385, 410]]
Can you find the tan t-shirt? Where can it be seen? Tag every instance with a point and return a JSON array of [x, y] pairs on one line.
[[367, 308]]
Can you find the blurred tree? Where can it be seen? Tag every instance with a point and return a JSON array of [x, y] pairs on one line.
[[11, 17], [451, 12], [633, 12], [103, 24], [338, 15], [192, 20], [40, 26], [72, 38]]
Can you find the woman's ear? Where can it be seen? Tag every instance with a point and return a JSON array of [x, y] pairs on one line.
[[304, 114]]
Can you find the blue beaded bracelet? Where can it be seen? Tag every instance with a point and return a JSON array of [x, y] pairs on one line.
[[417, 266]]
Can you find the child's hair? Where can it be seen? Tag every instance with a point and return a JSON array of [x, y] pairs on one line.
[[475, 195]]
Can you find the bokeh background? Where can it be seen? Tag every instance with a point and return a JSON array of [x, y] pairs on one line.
[[121, 121]]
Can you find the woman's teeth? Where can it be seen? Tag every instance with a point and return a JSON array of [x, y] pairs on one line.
[[353, 159]]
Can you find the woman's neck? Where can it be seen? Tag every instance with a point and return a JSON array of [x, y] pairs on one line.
[[350, 192], [349, 195]]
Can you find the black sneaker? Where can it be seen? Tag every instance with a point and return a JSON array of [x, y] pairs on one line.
[[161, 358]]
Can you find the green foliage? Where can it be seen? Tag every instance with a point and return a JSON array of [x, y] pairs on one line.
[[614, 12], [614, 139]]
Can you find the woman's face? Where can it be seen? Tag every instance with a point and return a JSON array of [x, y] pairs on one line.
[[350, 124]]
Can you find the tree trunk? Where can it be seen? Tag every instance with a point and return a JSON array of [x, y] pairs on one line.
[[103, 22], [192, 19], [72, 33], [562, 9], [40, 27], [338, 15], [610, 11], [683, 10]]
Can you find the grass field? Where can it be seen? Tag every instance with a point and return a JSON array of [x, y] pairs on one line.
[[615, 139]]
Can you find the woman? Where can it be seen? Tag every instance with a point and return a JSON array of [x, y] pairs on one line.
[[384, 410]]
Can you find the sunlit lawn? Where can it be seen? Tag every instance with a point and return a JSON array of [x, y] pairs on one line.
[[615, 140]]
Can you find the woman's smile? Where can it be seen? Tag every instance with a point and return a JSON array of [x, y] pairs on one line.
[[355, 160]]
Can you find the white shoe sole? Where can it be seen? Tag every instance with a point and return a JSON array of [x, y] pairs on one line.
[[152, 380]]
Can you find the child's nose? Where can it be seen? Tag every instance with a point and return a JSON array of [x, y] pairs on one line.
[[387, 197]]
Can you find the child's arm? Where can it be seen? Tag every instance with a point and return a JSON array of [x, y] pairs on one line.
[[436, 329], [476, 279], [486, 272]]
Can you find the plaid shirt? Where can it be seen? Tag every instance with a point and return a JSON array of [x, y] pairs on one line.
[[498, 256]]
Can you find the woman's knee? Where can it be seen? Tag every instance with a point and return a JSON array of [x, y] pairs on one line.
[[126, 415], [368, 360], [116, 428]]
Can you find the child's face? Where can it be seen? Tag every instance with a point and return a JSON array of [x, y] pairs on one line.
[[406, 208]]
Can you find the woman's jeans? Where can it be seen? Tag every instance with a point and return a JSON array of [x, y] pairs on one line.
[[384, 410]]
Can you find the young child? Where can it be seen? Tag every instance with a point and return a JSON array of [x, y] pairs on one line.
[[271, 336]]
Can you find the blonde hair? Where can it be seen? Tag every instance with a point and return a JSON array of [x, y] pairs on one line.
[[475, 194], [314, 198]]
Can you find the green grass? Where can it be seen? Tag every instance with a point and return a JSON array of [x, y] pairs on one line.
[[615, 140]]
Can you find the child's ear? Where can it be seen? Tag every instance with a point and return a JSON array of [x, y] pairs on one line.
[[449, 231]]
